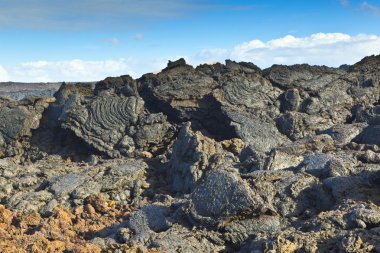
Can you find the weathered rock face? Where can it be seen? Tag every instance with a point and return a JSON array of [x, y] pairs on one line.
[[123, 85], [262, 136], [17, 119], [185, 94], [190, 158], [365, 77], [228, 101], [344, 134], [193, 154], [297, 125], [223, 195], [310, 78], [217, 158], [49, 183], [106, 116], [116, 125]]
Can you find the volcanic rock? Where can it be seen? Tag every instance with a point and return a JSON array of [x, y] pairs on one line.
[[217, 158], [17, 119]]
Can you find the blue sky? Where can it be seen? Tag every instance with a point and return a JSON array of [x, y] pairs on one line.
[[83, 40]]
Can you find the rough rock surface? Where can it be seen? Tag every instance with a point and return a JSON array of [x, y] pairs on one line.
[[193, 154], [17, 119], [217, 158], [209, 206], [115, 124]]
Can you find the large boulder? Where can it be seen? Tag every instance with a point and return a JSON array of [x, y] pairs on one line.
[[102, 122], [123, 85], [369, 135], [303, 76], [17, 120], [208, 94], [297, 125], [222, 195], [193, 154], [116, 125], [190, 158], [261, 136], [177, 90], [344, 134]]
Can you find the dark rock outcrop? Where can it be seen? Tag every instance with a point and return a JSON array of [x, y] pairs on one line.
[[222, 195], [217, 158], [115, 124], [17, 119]]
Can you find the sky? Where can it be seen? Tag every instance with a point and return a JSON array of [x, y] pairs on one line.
[[88, 40]]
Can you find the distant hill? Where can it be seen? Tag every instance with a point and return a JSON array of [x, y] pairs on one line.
[[17, 91]]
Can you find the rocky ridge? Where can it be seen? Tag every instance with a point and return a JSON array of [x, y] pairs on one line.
[[217, 158]]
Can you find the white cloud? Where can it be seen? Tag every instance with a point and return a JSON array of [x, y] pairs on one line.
[[4, 77], [73, 70], [375, 10], [331, 49]]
